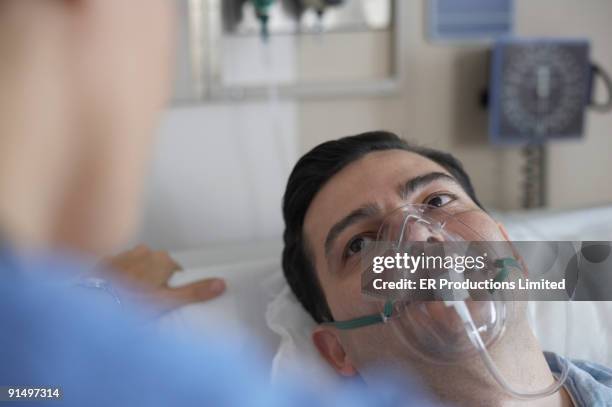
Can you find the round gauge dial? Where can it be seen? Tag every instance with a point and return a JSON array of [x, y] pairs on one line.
[[543, 90]]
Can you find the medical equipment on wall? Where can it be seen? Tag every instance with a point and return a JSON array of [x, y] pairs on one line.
[[469, 21], [282, 17], [441, 325], [539, 92], [262, 10], [318, 6], [223, 45], [235, 11], [298, 7]]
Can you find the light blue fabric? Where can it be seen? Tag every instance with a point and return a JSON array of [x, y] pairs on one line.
[[102, 355], [589, 384]]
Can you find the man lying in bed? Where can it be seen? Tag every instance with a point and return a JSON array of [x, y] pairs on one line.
[[335, 198]]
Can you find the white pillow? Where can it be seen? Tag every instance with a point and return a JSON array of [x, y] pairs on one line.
[[286, 317], [296, 353], [574, 225], [549, 322]]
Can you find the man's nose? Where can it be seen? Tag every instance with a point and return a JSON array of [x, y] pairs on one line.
[[421, 230]]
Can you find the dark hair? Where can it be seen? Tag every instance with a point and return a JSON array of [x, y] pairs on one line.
[[309, 175]]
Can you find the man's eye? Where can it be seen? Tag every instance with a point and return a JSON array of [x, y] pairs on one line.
[[440, 200], [356, 245]]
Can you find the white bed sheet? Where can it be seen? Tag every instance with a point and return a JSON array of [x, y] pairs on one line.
[[251, 272]]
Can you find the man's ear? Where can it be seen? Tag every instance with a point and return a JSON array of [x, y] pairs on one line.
[[328, 344]]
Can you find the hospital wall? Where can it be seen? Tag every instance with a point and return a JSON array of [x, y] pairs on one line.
[[219, 169], [438, 106]]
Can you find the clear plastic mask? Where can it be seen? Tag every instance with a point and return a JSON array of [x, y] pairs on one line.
[[442, 325]]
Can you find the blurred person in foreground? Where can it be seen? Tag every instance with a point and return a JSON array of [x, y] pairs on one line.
[[82, 84]]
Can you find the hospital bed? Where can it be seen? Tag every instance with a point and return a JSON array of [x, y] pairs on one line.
[[260, 305], [188, 206]]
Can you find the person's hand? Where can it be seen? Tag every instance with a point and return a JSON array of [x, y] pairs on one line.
[[142, 276]]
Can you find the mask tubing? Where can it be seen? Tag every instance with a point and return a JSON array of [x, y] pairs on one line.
[[472, 332]]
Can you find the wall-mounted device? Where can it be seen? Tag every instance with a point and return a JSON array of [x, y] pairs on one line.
[[237, 20], [282, 17], [539, 90], [262, 11], [251, 49], [319, 7], [469, 21]]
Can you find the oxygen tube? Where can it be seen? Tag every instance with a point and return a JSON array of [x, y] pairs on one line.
[[464, 314]]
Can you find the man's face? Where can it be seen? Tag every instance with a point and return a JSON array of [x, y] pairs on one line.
[[347, 213]]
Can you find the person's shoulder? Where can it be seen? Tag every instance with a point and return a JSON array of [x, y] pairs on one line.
[[589, 383], [602, 374]]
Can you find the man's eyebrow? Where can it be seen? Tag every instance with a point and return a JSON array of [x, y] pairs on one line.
[[371, 210], [422, 180], [364, 212]]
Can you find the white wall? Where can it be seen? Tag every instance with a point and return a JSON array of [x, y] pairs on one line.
[[218, 175], [219, 170], [438, 106]]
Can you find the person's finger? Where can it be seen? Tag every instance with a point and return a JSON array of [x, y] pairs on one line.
[[164, 258], [196, 292], [140, 249], [128, 256]]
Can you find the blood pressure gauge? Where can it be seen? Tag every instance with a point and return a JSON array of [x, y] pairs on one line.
[[539, 89]]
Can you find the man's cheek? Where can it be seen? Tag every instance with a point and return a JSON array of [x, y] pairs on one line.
[[375, 345], [480, 226], [348, 300]]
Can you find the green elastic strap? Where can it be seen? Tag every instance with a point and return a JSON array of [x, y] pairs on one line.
[[366, 320], [504, 265]]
